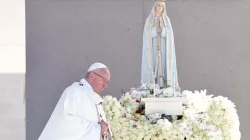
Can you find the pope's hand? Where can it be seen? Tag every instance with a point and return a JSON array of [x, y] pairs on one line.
[[104, 128]]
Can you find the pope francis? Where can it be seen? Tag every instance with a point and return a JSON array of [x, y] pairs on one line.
[[78, 114]]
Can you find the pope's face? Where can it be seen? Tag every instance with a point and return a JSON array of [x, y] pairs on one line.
[[99, 80], [159, 8]]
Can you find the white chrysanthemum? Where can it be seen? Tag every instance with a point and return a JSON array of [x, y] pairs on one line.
[[108, 98], [158, 91], [224, 115], [164, 124], [126, 97], [135, 94], [154, 117], [168, 92], [144, 93], [198, 100]]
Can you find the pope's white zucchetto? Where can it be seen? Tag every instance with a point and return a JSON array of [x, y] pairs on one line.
[[96, 66]]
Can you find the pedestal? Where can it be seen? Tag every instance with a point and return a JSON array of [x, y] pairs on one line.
[[168, 106]]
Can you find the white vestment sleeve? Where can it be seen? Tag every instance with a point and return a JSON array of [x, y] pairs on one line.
[[72, 108]]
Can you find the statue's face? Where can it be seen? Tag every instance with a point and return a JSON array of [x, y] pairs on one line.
[[159, 8]]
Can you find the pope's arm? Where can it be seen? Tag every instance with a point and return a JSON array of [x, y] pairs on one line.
[[72, 108]]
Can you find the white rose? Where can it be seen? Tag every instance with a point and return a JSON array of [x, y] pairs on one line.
[[153, 131], [126, 138], [147, 137], [132, 137], [169, 92], [141, 134], [154, 138], [110, 103]]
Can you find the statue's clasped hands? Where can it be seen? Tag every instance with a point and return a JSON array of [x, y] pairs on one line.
[[158, 22]]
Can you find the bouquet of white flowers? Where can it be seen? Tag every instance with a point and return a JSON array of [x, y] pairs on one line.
[[204, 117]]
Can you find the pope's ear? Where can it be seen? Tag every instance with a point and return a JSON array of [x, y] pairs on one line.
[[91, 75]]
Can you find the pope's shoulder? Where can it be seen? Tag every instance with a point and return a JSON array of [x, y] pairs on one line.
[[76, 89]]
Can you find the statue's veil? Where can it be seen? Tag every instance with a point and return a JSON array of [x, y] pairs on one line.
[[147, 75]]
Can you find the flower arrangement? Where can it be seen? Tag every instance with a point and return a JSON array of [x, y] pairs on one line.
[[204, 117]]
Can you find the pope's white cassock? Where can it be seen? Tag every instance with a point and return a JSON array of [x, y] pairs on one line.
[[75, 116]]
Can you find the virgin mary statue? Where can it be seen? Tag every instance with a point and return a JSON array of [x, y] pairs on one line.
[[158, 54]]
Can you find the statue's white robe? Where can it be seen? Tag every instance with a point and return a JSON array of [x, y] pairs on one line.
[[75, 116], [148, 67]]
